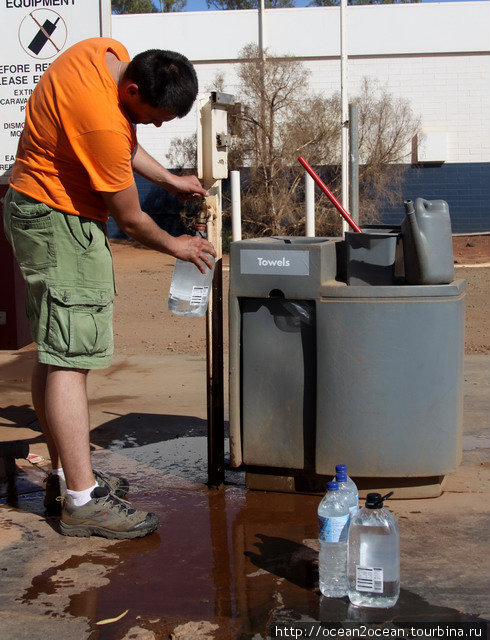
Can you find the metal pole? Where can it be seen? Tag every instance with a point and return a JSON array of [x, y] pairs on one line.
[[354, 162], [262, 72], [214, 342], [261, 30], [310, 206], [329, 194], [105, 18], [212, 133], [236, 213], [345, 109]]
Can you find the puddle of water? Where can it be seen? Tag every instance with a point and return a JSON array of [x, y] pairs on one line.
[[241, 560], [185, 457], [244, 561]]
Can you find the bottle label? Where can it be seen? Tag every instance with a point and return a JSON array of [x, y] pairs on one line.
[[199, 295], [333, 529], [369, 579]]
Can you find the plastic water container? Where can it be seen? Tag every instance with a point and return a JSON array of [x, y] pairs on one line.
[[333, 518], [347, 495], [373, 559], [348, 488], [189, 289], [427, 242]]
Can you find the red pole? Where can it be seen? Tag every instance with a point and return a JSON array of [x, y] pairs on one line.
[[330, 195]]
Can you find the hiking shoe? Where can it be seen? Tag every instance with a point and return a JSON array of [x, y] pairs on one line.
[[118, 486], [107, 516]]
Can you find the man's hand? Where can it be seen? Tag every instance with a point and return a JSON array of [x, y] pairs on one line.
[[194, 249], [186, 188], [125, 208]]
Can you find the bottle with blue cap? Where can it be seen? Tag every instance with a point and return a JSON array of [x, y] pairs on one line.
[[333, 520], [347, 485]]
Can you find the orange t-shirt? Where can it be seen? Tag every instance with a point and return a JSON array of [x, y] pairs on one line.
[[77, 139]]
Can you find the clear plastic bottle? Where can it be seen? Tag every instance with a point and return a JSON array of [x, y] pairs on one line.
[[333, 517], [373, 559], [349, 484], [190, 289], [350, 497]]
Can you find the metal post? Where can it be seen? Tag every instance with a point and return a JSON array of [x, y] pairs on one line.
[[354, 162], [345, 109], [214, 345], [310, 206], [105, 18], [262, 70], [212, 163], [236, 213], [261, 29]]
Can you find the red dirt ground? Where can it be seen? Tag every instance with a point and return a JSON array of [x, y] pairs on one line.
[[143, 281]]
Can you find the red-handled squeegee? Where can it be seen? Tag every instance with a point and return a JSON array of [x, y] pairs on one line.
[[330, 195]]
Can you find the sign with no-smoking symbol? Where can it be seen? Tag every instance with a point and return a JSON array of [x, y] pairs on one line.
[[42, 33]]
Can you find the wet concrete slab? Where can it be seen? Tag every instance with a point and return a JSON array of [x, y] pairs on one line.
[[225, 563]]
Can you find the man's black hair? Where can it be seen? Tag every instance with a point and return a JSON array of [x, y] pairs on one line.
[[165, 79]]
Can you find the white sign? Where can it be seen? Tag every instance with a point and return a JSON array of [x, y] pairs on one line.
[[34, 33], [272, 262]]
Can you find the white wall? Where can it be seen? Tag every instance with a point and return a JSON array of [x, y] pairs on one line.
[[437, 55]]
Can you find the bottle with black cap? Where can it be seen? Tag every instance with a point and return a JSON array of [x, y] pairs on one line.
[[373, 556]]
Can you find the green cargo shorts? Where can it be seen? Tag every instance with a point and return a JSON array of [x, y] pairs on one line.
[[67, 265]]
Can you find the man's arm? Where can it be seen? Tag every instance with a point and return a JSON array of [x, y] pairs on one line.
[[125, 208], [184, 187]]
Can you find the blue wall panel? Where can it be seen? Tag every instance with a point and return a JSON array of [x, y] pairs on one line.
[[164, 208], [465, 187]]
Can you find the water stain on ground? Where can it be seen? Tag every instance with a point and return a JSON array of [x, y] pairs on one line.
[[231, 564]]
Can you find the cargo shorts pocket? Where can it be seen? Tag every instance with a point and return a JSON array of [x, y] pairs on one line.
[[32, 236], [79, 321]]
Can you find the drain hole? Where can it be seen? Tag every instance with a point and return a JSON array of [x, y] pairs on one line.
[[276, 293]]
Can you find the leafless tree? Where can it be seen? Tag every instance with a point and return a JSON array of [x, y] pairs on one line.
[[281, 119]]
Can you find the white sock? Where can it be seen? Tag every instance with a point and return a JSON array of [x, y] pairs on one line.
[[61, 475], [58, 472], [81, 497]]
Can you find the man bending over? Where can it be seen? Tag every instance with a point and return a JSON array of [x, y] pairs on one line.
[[74, 168]]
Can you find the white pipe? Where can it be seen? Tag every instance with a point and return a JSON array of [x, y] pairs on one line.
[[345, 110], [310, 206], [236, 213], [261, 29]]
